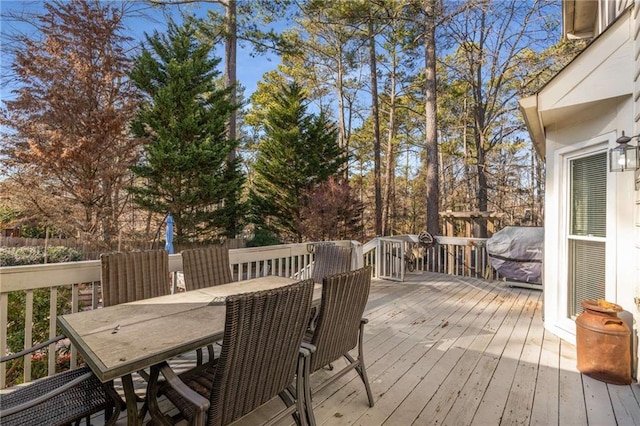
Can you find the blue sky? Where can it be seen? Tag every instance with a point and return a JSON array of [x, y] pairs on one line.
[[249, 69]]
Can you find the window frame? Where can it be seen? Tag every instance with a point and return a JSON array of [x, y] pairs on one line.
[[565, 156]]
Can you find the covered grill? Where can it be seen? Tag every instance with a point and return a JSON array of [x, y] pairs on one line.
[[516, 254]]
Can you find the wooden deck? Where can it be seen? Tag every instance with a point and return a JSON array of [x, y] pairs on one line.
[[462, 351]]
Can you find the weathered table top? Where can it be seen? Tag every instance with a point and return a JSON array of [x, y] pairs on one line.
[[122, 339]]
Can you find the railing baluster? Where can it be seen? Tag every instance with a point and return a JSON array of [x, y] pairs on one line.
[[95, 298], [4, 307], [283, 260], [28, 336], [305, 261], [53, 309], [74, 308]]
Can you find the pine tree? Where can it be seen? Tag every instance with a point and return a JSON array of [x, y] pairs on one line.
[[185, 169], [298, 151]]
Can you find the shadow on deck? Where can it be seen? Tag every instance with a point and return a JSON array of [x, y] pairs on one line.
[[462, 351]]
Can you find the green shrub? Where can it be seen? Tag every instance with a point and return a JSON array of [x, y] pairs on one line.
[[13, 256], [262, 237], [63, 254], [7, 258]]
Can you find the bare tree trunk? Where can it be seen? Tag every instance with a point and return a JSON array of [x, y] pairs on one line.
[[482, 195], [431, 133], [231, 65], [538, 213], [388, 204], [467, 171], [109, 222], [339, 88], [376, 128], [342, 127], [480, 125]]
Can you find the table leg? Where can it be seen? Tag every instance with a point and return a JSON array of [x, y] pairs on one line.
[[132, 402]]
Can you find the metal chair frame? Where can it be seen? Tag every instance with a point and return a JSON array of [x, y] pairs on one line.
[[206, 267], [330, 259], [261, 355], [59, 399], [131, 276], [339, 328]]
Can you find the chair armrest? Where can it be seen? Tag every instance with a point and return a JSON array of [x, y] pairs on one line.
[[172, 379], [32, 349], [46, 396], [364, 321], [306, 349]]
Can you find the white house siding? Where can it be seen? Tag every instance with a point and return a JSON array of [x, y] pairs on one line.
[[584, 109], [636, 130]]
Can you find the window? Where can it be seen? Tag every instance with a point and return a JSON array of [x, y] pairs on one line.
[[587, 229]]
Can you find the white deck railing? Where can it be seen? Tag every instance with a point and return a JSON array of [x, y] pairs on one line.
[[83, 279], [449, 255], [80, 280]]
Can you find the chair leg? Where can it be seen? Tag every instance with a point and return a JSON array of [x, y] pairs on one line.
[[288, 395], [112, 413], [361, 369], [212, 354], [306, 393], [156, 414], [303, 410]]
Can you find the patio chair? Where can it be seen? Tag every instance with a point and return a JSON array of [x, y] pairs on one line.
[[206, 267], [132, 276], [260, 357], [330, 260], [59, 399], [340, 328]]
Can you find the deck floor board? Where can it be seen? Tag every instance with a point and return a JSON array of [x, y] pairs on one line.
[[460, 351], [545, 395]]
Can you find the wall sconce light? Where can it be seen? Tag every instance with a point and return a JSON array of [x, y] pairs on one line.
[[624, 157]]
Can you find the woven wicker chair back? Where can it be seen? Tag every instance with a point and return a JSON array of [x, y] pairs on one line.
[[206, 267], [259, 355], [344, 297], [330, 260], [127, 277]]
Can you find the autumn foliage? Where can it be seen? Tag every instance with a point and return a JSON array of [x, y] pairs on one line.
[[66, 137], [332, 212]]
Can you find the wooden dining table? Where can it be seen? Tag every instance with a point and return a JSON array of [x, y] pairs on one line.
[[119, 340]]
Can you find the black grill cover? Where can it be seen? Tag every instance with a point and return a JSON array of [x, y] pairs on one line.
[[515, 253]]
